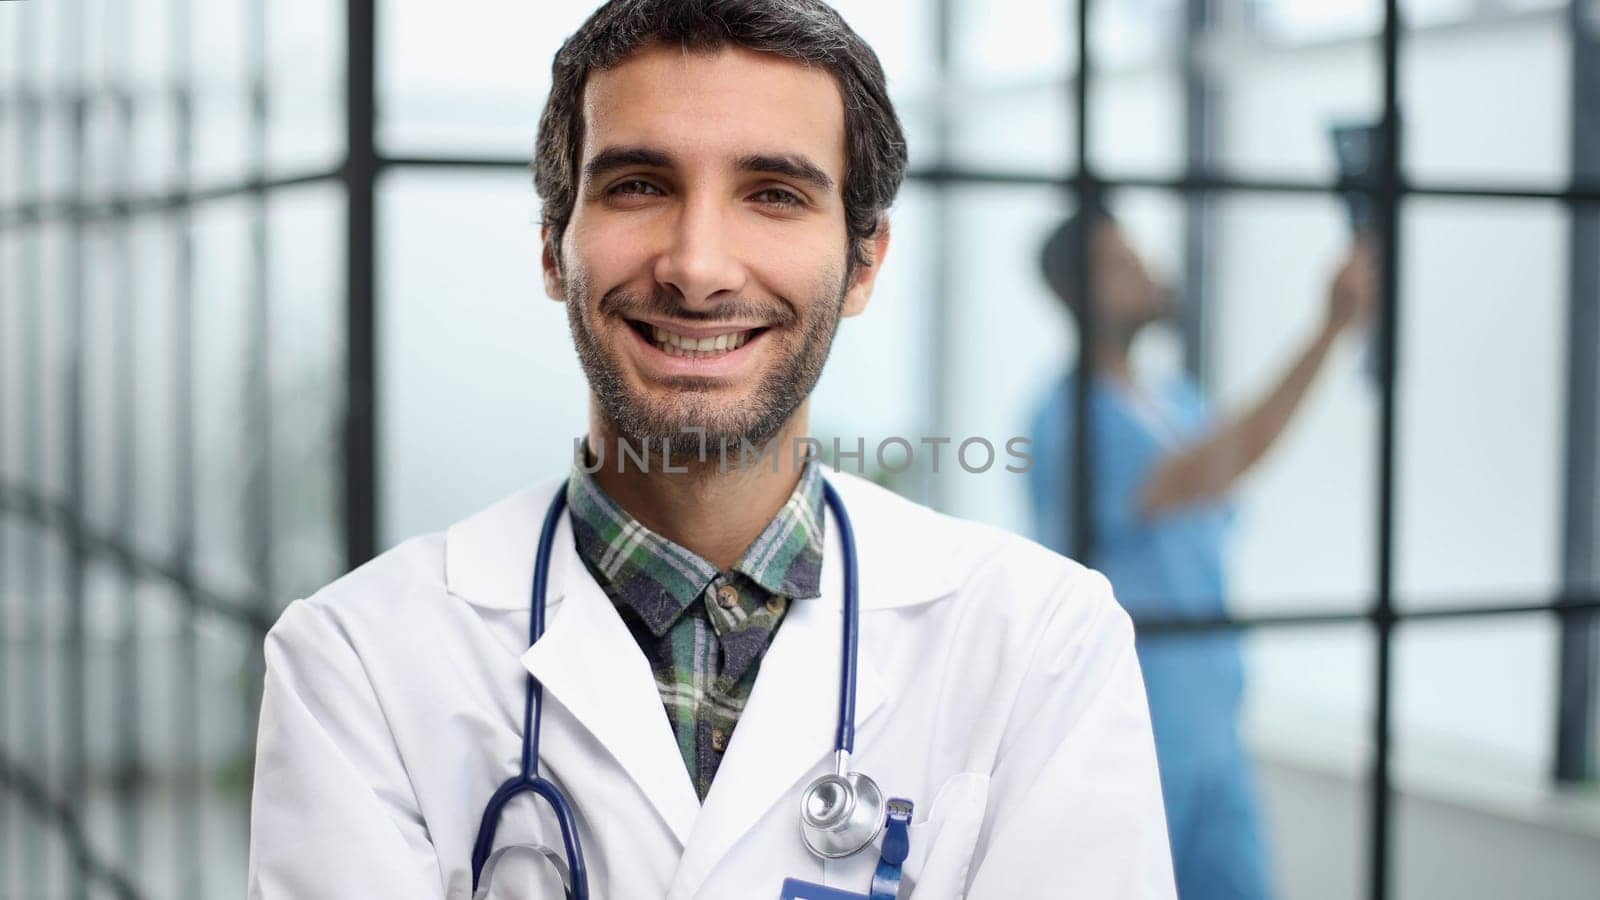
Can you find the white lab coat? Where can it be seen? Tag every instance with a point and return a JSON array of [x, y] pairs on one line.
[[998, 689]]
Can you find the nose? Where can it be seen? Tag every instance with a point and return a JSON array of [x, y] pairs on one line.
[[700, 261]]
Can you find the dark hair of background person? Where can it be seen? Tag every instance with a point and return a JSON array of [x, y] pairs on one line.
[[808, 31], [1059, 257]]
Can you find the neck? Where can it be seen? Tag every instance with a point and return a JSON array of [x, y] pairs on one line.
[[714, 513], [1112, 359]]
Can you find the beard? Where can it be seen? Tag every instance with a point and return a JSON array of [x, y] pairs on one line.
[[800, 341]]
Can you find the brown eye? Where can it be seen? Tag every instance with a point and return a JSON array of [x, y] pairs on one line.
[[633, 186], [777, 197]]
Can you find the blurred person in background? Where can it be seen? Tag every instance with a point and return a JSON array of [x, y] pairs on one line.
[[1163, 468]]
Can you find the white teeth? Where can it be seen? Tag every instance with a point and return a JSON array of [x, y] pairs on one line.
[[679, 345]]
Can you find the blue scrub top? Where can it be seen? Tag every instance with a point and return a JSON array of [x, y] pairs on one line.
[[1163, 568]]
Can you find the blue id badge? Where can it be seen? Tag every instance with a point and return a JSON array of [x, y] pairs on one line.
[[885, 881], [795, 889]]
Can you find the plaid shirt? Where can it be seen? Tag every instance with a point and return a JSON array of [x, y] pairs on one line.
[[705, 654]]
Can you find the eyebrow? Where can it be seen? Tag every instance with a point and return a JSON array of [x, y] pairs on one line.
[[797, 167], [788, 165]]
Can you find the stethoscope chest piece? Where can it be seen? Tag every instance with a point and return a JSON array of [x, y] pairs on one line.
[[841, 813]]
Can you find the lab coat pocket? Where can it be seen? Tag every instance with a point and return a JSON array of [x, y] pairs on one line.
[[942, 844]]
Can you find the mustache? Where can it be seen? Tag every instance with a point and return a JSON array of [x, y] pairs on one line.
[[664, 304]]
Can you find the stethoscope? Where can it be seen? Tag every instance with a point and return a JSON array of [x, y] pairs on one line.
[[841, 812]]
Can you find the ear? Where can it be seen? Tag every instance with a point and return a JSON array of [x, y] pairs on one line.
[[864, 277], [550, 261]]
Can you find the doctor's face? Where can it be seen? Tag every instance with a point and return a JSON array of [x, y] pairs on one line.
[[704, 267]]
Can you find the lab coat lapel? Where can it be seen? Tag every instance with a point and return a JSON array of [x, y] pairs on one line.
[[590, 664], [786, 732]]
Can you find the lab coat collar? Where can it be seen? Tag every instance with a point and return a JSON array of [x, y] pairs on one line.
[[590, 664], [905, 559], [587, 660]]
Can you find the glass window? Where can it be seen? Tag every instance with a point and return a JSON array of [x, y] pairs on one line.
[[474, 358], [1029, 41], [1009, 101], [221, 142], [1137, 121], [15, 652], [54, 153], [223, 49], [1276, 104], [1009, 339], [306, 342], [1305, 723], [12, 189], [1464, 121], [14, 32], [1272, 258], [1290, 22], [163, 804], [1475, 813], [901, 33], [106, 365], [467, 78], [305, 64], [227, 661], [153, 55], [52, 355], [873, 386], [226, 359], [14, 380], [1011, 128], [1479, 479], [1136, 124], [152, 149], [158, 446]]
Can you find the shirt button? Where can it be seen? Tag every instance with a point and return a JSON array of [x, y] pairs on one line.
[[719, 740], [727, 597], [775, 604]]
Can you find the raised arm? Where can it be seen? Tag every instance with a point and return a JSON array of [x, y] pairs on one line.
[[1208, 469]]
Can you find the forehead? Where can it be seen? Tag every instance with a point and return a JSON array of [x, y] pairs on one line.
[[715, 106]]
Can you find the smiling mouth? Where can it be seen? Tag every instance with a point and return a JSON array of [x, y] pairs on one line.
[[707, 347]]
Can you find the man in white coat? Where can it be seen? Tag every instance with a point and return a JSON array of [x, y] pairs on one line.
[[716, 176]]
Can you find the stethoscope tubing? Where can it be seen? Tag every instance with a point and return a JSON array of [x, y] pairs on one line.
[[528, 778], [845, 739]]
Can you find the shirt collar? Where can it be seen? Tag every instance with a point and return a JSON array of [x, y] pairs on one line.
[[787, 557], [658, 578]]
